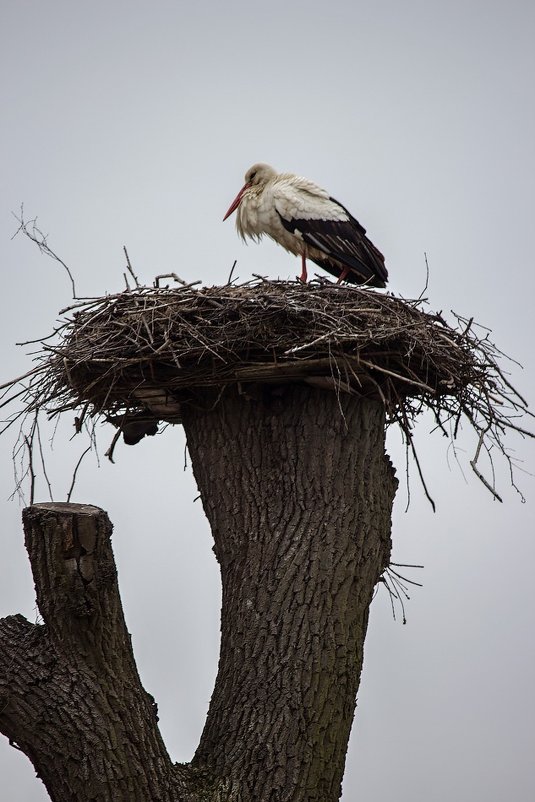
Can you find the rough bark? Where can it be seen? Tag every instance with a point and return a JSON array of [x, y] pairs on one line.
[[298, 491], [71, 697]]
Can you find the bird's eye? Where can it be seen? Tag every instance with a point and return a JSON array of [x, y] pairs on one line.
[[252, 175]]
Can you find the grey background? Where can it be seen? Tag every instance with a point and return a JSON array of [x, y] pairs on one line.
[[133, 123]]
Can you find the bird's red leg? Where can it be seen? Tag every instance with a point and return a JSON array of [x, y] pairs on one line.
[[303, 276], [343, 275]]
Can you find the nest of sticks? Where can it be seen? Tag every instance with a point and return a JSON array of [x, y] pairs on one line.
[[136, 357]]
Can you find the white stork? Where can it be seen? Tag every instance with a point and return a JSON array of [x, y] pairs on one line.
[[305, 220]]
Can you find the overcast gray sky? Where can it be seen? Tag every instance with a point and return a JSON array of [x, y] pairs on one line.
[[133, 123]]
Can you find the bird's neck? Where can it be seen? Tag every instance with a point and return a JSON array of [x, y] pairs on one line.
[[247, 220]]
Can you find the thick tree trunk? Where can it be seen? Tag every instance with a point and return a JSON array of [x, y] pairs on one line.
[[298, 491]]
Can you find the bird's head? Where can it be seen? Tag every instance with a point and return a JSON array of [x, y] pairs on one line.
[[256, 176]]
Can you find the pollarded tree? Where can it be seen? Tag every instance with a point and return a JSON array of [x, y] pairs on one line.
[[284, 391]]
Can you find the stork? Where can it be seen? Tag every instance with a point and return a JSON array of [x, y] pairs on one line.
[[305, 220]]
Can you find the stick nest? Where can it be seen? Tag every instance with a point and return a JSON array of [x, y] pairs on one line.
[[142, 353]]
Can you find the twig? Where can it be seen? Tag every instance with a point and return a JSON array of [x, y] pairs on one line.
[[229, 280], [173, 276], [317, 340], [408, 434], [420, 297], [396, 375], [407, 474], [88, 449], [42, 456], [129, 268], [476, 471], [16, 381], [37, 236], [29, 445]]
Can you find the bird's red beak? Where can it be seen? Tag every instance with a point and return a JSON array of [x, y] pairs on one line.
[[236, 202]]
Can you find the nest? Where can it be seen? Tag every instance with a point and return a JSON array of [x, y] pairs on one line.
[[138, 356]]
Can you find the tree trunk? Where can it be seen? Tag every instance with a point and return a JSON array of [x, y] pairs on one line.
[[298, 491]]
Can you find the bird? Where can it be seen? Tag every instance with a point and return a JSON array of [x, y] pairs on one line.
[[308, 222]]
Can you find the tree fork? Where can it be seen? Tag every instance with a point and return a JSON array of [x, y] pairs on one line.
[[298, 492]]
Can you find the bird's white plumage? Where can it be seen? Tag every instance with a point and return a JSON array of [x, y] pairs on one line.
[[304, 219], [290, 197]]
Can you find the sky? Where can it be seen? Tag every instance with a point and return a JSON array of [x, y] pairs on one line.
[[133, 123]]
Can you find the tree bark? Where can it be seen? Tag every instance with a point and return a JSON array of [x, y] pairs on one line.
[[298, 491], [70, 694]]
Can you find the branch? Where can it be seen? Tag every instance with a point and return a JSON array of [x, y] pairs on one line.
[[70, 694], [129, 267], [477, 472], [36, 235]]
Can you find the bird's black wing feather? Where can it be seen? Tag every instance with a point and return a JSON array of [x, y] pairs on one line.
[[344, 244]]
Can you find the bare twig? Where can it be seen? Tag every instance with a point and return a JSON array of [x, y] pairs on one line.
[[478, 473], [175, 278], [423, 292], [42, 457], [129, 268], [36, 235], [229, 280], [28, 440], [73, 482]]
